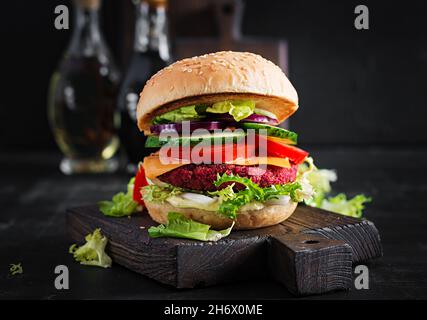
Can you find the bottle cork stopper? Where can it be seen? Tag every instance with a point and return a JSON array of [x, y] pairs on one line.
[[89, 4]]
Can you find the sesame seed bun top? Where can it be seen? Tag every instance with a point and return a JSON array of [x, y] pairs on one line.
[[214, 77]]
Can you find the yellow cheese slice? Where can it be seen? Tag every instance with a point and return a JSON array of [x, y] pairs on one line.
[[154, 168], [272, 161]]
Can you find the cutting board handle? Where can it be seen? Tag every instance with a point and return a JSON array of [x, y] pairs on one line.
[[308, 264]]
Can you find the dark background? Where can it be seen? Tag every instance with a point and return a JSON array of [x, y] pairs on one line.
[[356, 87]]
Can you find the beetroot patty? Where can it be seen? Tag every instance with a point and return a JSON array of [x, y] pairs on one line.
[[201, 177]]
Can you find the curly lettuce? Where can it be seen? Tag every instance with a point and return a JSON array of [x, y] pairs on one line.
[[232, 201], [224, 194], [122, 204], [179, 226], [225, 201], [92, 253]]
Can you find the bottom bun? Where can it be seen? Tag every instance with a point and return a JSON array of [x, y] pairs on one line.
[[251, 219]]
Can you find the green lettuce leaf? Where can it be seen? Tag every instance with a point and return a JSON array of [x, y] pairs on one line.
[[233, 201], [224, 194], [92, 253], [178, 115], [291, 189], [238, 109], [154, 193], [122, 204], [179, 226], [339, 204]]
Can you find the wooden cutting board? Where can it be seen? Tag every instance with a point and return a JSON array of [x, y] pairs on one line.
[[312, 252]]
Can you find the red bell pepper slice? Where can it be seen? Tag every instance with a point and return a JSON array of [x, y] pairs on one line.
[[140, 181], [275, 148]]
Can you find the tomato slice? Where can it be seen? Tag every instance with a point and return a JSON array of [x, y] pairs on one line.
[[228, 153], [140, 181], [277, 148]]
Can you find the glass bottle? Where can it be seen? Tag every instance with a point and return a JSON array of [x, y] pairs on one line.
[[151, 53], [81, 102]]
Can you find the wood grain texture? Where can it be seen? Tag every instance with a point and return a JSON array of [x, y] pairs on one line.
[[361, 234], [312, 252]]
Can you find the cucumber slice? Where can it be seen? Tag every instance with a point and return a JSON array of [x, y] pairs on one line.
[[272, 131], [155, 142]]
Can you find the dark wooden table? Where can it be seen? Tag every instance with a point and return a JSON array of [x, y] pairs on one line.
[[34, 196]]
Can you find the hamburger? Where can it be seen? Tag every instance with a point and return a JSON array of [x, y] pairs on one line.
[[219, 156]]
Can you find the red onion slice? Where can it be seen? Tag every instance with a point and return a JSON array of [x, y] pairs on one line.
[[208, 125], [223, 121], [260, 119], [252, 118]]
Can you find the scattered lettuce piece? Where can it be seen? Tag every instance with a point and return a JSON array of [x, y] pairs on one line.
[[320, 180], [122, 204], [238, 109], [233, 201], [178, 115], [179, 226], [339, 204], [16, 269], [230, 206], [92, 253]]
